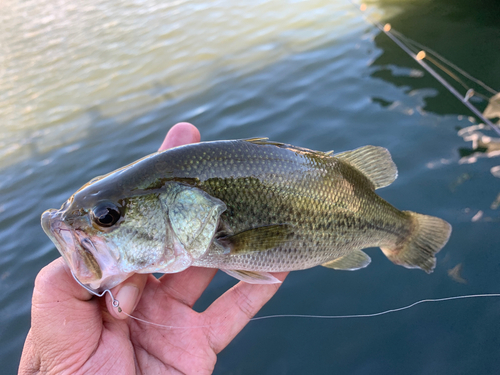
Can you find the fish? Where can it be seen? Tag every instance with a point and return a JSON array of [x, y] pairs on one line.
[[247, 207]]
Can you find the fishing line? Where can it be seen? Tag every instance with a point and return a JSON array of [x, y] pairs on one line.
[[116, 304], [308, 316], [378, 313], [420, 56]]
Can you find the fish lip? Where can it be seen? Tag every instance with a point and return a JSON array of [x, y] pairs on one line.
[[53, 226], [73, 245], [70, 246]]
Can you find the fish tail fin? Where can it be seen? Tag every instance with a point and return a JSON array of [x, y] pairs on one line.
[[428, 236]]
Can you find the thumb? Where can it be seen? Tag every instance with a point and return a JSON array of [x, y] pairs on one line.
[[181, 134], [127, 296]]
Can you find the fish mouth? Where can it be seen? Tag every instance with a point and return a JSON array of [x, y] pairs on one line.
[[90, 259], [76, 248]]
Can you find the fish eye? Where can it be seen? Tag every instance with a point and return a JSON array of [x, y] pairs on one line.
[[106, 214]]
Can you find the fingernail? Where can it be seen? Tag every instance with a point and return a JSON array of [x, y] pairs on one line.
[[127, 297]]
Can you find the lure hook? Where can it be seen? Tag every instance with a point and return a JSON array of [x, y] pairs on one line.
[[114, 301]]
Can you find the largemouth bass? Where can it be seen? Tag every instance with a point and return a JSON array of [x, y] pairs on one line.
[[247, 207]]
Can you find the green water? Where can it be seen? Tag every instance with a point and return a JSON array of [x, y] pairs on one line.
[[85, 89]]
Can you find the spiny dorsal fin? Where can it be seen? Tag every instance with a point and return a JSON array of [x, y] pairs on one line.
[[302, 150], [374, 162], [256, 239], [350, 262], [257, 140]]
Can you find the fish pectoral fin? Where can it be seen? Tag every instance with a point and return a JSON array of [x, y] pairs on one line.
[[374, 162], [252, 277], [256, 239], [353, 261]]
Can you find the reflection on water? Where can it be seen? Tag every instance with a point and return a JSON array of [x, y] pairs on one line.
[[456, 274], [65, 63], [493, 109], [496, 202], [483, 146]]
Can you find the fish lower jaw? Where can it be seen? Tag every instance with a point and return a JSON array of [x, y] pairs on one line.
[[111, 277], [174, 259]]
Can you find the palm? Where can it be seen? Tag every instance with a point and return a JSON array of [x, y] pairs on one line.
[[82, 336]]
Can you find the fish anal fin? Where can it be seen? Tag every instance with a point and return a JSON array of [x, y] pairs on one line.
[[256, 239], [253, 277], [374, 162], [353, 261]]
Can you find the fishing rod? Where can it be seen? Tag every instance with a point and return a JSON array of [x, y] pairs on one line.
[[419, 58]]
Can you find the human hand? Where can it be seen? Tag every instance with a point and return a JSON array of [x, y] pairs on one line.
[[75, 332]]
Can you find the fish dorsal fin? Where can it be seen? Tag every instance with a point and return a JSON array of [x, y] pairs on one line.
[[256, 239], [301, 150], [253, 277], [258, 140], [353, 261], [374, 162]]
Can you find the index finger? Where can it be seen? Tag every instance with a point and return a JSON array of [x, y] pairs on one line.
[[227, 316]]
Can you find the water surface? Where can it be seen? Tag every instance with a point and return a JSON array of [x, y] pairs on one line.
[[85, 89]]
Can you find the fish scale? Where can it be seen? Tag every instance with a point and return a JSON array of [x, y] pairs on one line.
[[322, 231]]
